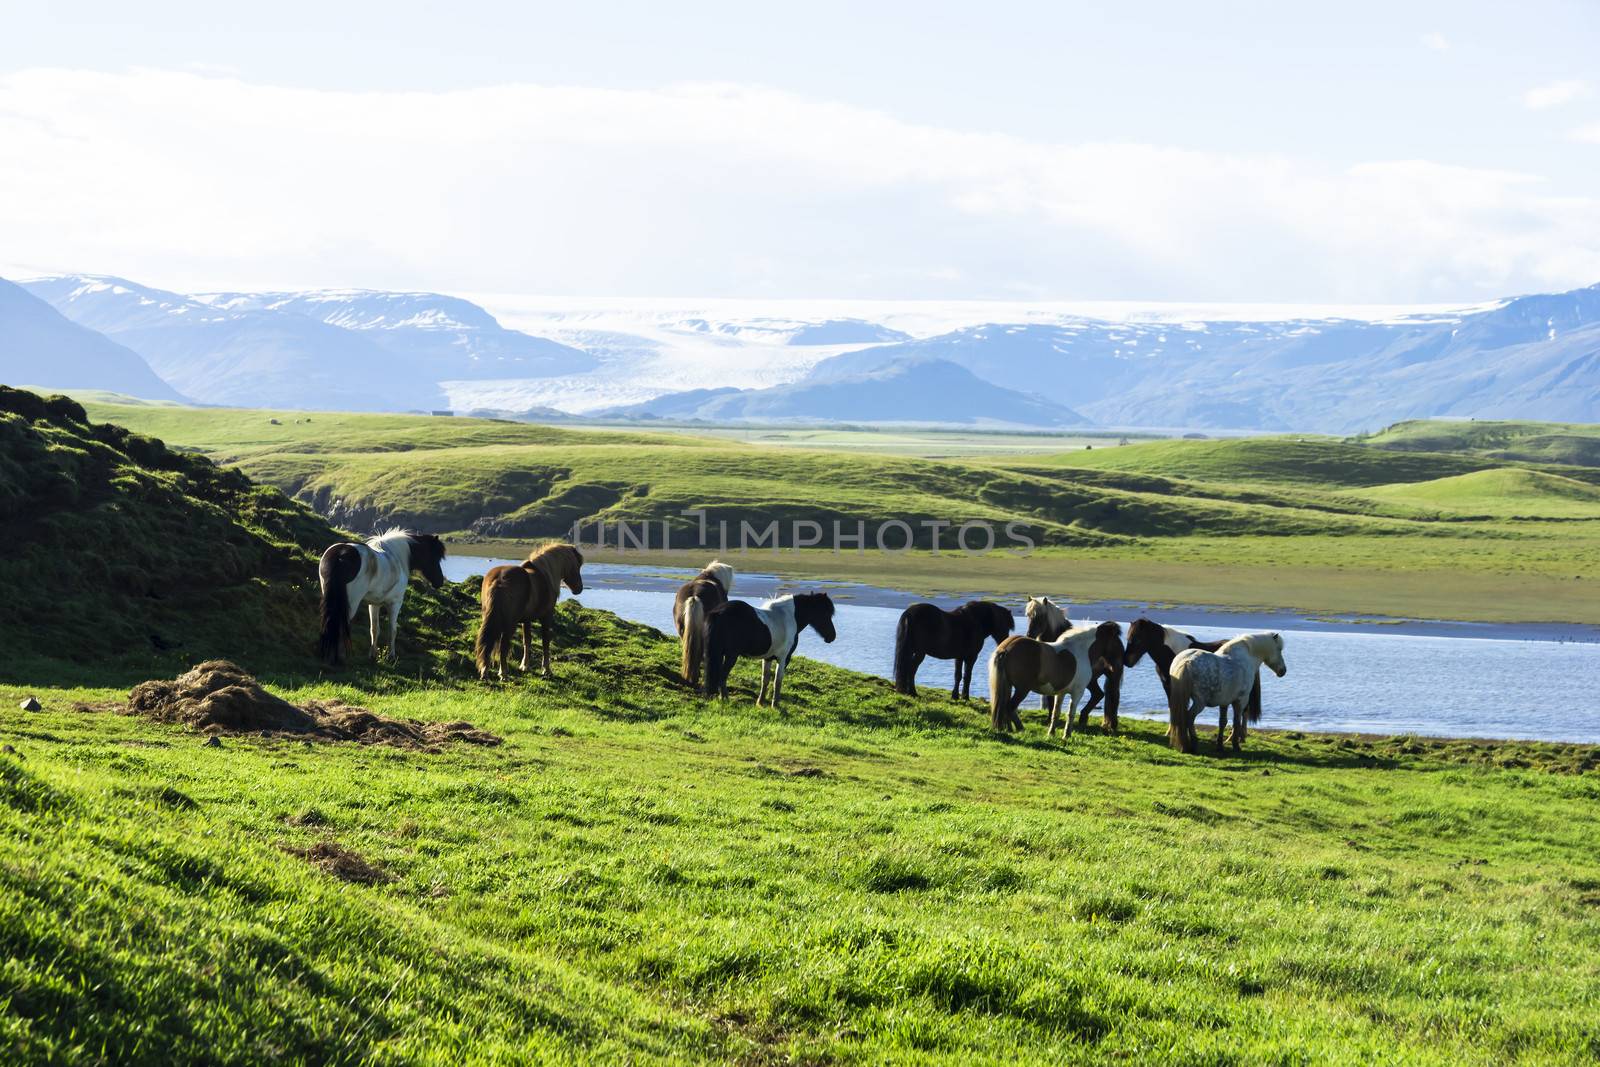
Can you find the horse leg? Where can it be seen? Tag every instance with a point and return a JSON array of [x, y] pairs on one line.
[[527, 642], [1072, 709], [1052, 703], [375, 628], [766, 674], [1222, 722], [1014, 699], [1095, 693], [1238, 723], [955, 687], [544, 631], [777, 681]]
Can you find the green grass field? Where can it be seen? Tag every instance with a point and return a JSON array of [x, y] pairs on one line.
[[1309, 523], [865, 878], [636, 875]]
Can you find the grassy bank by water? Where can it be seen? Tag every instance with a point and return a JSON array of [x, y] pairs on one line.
[[864, 878]]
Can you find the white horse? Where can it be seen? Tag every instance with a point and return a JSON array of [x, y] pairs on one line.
[[1218, 679], [374, 575]]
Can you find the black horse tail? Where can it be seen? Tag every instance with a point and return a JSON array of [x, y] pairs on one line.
[[716, 672], [694, 639], [903, 680], [335, 636], [1255, 700]]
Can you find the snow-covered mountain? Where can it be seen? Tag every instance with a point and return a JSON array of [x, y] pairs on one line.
[[444, 336], [907, 390], [1206, 367], [40, 346]]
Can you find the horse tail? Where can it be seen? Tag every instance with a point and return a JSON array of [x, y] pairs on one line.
[[335, 634], [716, 675], [999, 689], [694, 639], [1178, 694], [902, 656], [493, 632], [1255, 699]]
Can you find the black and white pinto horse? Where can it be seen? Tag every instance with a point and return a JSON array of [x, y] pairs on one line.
[[1163, 643], [1047, 621], [1218, 679], [770, 632], [373, 575], [928, 630]]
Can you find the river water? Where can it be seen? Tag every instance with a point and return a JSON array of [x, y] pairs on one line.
[[1444, 679]]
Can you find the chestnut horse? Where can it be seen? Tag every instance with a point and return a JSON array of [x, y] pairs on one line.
[[927, 630], [1063, 667], [519, 596], [703, 593]]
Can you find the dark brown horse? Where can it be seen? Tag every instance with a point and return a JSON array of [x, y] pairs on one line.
[[519, 596], [926, 630], [696, 598], [1162, 644], [770, 632]]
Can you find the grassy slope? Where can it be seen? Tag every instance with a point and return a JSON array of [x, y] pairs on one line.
[[1540, 442], [637, 874], [1507, 492], [1303, 523]]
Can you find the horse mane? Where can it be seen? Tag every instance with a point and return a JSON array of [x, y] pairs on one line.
[[721, 573], [549, 560]]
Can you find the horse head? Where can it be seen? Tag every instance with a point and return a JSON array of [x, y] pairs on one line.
[[1107, 646], [1271, 647], [1045, 619], [1144, 635], [1000, 623], [816, 611], [722, 573], [427, 556], [574, 576]]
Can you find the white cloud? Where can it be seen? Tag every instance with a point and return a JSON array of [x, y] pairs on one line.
[[1435, 41], [207, 182], [1589, 134], [1541, 97]]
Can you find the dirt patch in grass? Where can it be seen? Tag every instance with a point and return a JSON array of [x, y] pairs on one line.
[[218, 697], [345, 864]]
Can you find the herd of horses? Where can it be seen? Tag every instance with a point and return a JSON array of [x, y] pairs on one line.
[[1055, 659]]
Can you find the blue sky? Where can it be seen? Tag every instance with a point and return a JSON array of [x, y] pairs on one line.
[[1358, 151]]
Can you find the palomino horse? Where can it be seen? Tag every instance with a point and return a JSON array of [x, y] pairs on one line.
[[926, 630], [1217, 679], [771, 631], [1047, 621], [703, 593], [519, 596], [376, 575], [1162, 643], [1063, 667]]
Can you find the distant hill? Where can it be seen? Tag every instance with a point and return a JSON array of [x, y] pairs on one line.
[[1500, 491], [40, 346], [908, 390], [1537, 442]]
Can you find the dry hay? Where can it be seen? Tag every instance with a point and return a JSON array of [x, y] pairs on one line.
[[345, 864], [218, 697]]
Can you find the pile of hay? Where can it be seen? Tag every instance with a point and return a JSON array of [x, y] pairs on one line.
[[218, 697]]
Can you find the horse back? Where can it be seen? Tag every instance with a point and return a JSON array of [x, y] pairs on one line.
[[520, 590], [340, 563]]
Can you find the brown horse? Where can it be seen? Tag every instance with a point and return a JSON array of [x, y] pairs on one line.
[[928, 630], [1063, 667], [697, 597], [521, 595], [1047, 621]]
